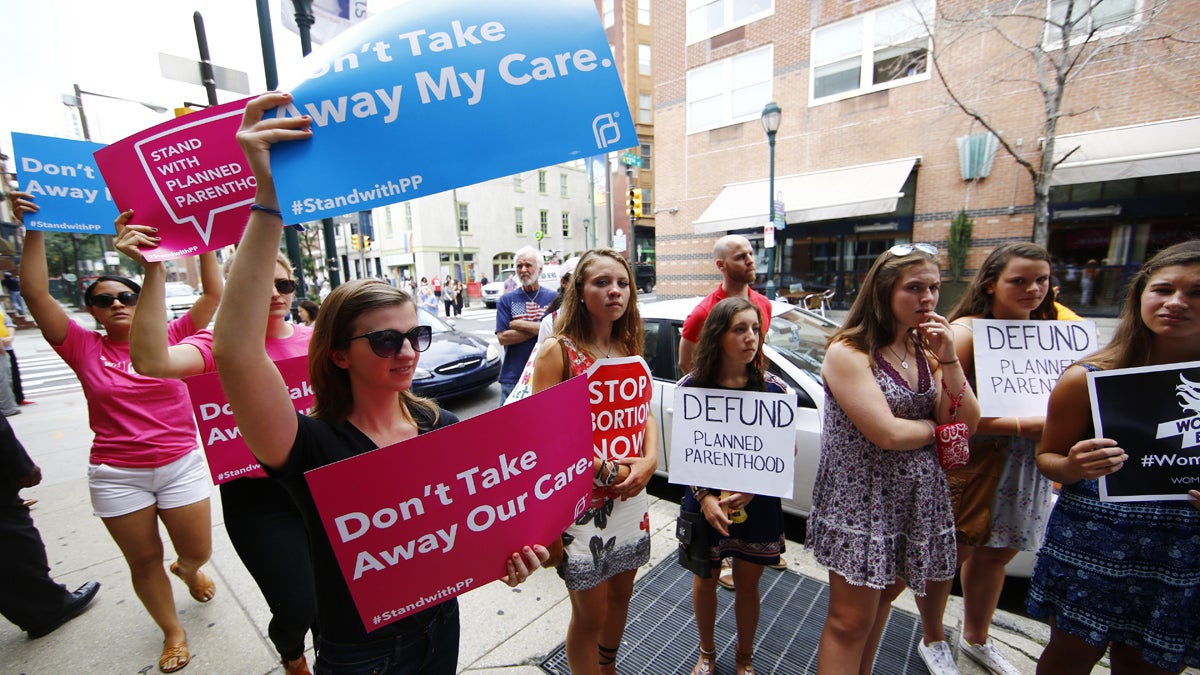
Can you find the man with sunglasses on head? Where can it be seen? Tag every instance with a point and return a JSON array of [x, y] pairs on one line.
[[263, 523], [518, 317]]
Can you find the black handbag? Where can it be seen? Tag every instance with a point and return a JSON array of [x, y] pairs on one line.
[[691, 529]]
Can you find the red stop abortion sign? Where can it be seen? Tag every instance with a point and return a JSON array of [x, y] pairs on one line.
[[619, 391]]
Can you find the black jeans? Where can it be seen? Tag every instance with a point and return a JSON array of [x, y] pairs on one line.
[[429, 649], [269, 536]]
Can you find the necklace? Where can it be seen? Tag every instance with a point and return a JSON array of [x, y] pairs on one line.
[[608, 352], [528, 297], [903, 359]]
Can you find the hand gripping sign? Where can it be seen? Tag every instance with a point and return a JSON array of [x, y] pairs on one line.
[[187, 177], [429, 96], [63, 179], [422, 521], [619, 392], [228, 455]]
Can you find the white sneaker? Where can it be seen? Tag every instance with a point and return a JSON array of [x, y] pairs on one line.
[[988, 656], [938, 657]]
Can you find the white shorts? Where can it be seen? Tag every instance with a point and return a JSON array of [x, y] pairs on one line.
[[118, 490]]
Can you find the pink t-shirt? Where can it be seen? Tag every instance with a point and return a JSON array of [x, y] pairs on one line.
[[695, 321], [139, 422], [278, 349]]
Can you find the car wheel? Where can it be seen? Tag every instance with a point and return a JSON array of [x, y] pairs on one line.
[[647, 288], [489, 305]]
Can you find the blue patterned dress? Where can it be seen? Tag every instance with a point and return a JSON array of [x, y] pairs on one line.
[[882, 515], [1124, 572]]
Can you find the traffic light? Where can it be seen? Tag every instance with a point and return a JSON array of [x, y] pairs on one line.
[[634, 208], [366, 242], [355, 242]]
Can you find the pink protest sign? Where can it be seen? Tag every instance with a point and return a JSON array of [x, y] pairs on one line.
[[423, 521], [187, 177], [228, 455]]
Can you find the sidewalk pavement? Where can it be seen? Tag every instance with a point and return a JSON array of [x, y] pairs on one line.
[[504, 631]]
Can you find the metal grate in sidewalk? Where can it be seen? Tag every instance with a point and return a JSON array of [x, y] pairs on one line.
[[660, 634]]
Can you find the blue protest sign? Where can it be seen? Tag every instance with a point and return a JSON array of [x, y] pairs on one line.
[[62, 176], [430, 96]]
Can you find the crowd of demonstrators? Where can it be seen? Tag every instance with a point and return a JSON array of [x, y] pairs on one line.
[[745, 527], [144, 464], [1121, 576], [264, 525], [606, 545], [881, 517], [12, 285], [363, 353], [449, 296], [518, 318], [307, 309]]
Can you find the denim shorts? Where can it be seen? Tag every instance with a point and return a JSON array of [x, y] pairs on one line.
[[428, 649]]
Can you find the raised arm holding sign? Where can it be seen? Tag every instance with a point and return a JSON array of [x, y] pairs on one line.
[[1124, 573]]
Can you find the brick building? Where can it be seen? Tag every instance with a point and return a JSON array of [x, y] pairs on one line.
[[867, 157]]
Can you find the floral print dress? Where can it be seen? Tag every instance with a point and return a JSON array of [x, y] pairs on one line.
[[881, 515]]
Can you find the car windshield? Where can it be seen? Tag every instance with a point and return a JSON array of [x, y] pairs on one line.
[[426, 319], [800, 338]]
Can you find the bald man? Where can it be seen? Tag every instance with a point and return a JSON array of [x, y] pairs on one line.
[[735, 261]]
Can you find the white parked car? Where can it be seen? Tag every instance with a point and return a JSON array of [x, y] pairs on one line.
[[795, 349], [493, 291], [180, 298]]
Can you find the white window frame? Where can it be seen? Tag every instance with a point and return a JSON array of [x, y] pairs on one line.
[[544, 221], [608, 13], [564, 186], [519, 220], [643, 12], [645, 111], [541, 181], [645, 59], [464, 218], [518, 182], [866, 52], [566, 224], [724, 68], [728, 23], [1137, 18]]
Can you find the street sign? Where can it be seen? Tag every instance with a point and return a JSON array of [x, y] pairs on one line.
[[780, 215], [769, 236], [186, 70], [632, 159], [539, 235]]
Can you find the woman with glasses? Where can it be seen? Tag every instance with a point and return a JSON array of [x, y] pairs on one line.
[[364, 351], [144, 465], [263, 523], [881, 517], [1115, 576], [608, 543]]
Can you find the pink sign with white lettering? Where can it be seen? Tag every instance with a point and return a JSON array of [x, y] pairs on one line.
[[187, 177], [228, 455], [422, 521]]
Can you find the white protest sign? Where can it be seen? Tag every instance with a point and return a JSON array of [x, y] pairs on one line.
[[743, 441], [1017, 363]]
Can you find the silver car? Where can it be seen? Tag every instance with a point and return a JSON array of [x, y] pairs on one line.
[[795, 348]]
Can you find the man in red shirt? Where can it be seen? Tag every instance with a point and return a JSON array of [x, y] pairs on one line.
[[735, 261]]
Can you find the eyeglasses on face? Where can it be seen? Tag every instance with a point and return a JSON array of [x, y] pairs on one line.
[[387, 343], [285, 286], [106, 300], [901, 250]]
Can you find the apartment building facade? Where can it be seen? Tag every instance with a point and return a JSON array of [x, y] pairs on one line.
[[872, 151]]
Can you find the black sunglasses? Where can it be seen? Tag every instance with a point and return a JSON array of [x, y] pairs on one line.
[[285, 286], [106, 300], [387, 343]]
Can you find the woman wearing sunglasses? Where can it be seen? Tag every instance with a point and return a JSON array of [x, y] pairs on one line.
[[611, 540], [263, 523], [365, 348], [881, 517], [144, 465]]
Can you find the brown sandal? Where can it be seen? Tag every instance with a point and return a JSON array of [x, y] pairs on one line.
[[744, 663], [707, 663], [177, 653], [200, 586]]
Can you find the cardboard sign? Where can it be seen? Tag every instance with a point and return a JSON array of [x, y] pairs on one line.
[[62, 176], [1153, 413], [420, 522], [187, 177], [430, 96], [228, 455], [742, 441], [1017, 363]]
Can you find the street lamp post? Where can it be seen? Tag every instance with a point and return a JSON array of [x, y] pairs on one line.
[[770, 121], [76, 102]]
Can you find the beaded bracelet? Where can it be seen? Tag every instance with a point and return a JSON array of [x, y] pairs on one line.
[[275, 212]]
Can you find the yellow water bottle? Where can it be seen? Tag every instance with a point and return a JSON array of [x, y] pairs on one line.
[[735, 515]]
